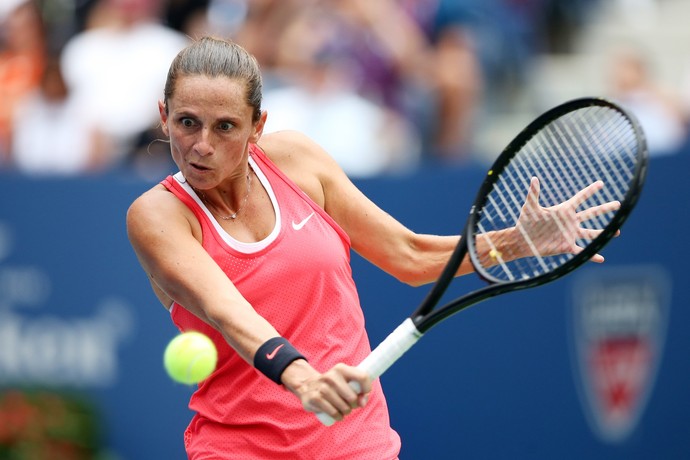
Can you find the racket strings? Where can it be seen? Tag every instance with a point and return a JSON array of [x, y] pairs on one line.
[[567, 155]]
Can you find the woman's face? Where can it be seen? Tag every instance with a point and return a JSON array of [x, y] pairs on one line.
[[210, 127]]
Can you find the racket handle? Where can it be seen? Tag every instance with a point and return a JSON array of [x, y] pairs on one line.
[[382, 357]]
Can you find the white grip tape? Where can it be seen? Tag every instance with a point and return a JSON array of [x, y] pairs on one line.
[[383, 356]]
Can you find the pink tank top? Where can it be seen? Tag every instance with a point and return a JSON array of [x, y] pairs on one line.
[[299, 279]]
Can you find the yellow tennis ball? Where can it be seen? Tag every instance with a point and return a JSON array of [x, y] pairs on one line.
[[190, 357]]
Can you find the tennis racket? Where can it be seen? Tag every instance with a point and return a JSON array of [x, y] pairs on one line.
[[555, 197]]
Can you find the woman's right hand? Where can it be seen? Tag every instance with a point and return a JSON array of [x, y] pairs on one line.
[[329, 392]]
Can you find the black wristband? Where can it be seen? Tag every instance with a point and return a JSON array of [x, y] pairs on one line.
[[274, 356]]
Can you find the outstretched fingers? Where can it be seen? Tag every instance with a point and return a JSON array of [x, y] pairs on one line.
[[598, 258], [532, 200], [583, 195], [598, 210]]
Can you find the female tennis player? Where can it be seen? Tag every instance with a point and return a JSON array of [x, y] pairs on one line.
[[250, 244]]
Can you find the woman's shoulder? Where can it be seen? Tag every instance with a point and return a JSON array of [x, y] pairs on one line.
[[154, 196], [302, 160], [153, 204], [293, 149], [285, 146]]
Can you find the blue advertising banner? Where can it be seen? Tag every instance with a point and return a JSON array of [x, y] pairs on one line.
[[591, 366]]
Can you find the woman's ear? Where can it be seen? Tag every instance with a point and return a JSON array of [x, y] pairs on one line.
[[258, 128], [163, 111]]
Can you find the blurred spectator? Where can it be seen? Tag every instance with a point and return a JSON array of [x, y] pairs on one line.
[[231, 15], [148, 155], [52, 135], [116, 67], [417, 63], [182, 14], [365, 138], [420, 72], [412, 71], [259, 29], [657, 109], [455, 80], [561, 21], [22, 51]]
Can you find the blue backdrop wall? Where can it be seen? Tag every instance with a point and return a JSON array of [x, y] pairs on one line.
[[592, 366]]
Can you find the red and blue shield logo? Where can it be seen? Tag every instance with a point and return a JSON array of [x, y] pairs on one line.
[[619, 318]]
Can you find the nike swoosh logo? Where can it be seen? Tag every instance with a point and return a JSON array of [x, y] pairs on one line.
[[298, 226], [272, 354]]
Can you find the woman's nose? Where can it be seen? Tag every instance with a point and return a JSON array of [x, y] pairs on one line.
[[203, 145]]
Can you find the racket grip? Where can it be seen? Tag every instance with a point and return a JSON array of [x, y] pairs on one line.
[[382, 357]]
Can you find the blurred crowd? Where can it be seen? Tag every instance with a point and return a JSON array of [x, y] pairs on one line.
[[385, 85]]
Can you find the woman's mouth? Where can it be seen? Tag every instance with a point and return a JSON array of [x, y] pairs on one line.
[[199, 167]]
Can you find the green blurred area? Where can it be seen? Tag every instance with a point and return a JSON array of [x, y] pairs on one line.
[[48, 425]]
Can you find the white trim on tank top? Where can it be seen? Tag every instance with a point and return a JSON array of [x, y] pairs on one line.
[[240, 246]]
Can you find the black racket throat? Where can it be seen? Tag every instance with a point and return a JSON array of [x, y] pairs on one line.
[[426, 309]]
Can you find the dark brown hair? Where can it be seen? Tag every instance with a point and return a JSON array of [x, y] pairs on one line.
[[214, 57]]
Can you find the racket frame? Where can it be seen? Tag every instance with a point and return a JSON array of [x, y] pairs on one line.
[[425, 317]]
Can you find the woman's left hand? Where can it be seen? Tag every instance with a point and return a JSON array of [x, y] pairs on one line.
[[555, 230]]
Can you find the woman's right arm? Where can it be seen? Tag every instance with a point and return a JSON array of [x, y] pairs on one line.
[[166, 237]]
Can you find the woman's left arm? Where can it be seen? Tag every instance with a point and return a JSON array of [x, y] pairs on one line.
[[412, 258]]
